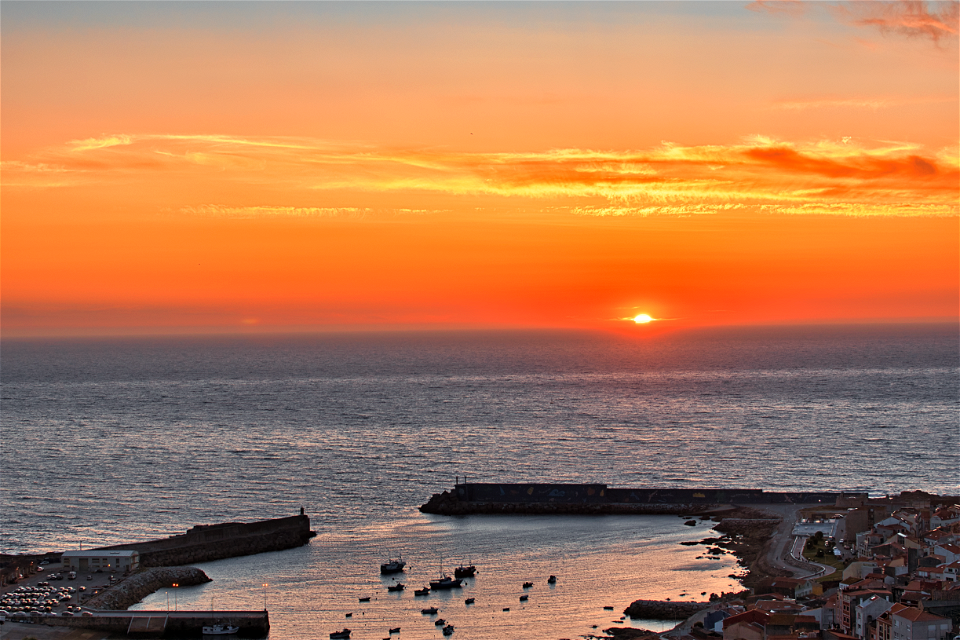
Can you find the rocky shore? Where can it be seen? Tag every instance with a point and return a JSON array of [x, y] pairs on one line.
[[132, 590], [662, 610]]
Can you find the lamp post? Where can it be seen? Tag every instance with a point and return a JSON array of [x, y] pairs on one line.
[[264, 596], [175, 585], [168, 599]]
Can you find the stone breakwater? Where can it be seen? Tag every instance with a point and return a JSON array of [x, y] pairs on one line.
[[138, 586], [662, 610], [448, 504], [204, 543]]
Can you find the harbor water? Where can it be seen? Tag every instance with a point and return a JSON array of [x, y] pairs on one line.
[[114, 440]]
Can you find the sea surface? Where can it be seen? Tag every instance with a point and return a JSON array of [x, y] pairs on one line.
[[112, 440]]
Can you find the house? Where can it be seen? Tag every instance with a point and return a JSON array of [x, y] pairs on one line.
[[866, 611], [910, 623], [102, 559]]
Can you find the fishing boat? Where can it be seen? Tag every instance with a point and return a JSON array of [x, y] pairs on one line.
[[465, 571], [366, 599], [440, 622], [552, 580], [393, 566], [422, 592], [469, 601], [220, 630], [445, 582], [396, 587], [395, 630], [340, 635], [430, 611], [448, 630]]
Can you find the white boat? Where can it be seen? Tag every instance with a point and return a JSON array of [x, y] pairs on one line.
[[220, 630]]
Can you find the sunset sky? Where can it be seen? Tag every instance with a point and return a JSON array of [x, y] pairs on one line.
[[178, 167]]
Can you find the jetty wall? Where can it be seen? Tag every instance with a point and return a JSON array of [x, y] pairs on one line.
[[169, 624], [542, 498], [204, 543]]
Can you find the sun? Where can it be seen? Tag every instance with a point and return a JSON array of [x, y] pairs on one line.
[[642, 318]]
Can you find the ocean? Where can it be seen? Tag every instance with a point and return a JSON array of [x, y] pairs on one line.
[[114, 440]]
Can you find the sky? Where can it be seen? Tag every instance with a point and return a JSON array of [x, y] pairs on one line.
[[175, 167]]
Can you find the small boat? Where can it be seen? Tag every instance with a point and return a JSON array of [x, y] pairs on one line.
[[468, 601], [448, 630], [465, 571], [349, 615], [367, 599], [340, 635], [394, 630], [422, 592], [220, 630], [393, 566], [524, 598], [527, 585], [431, 611], [552, 580], [445, 582], [506, 608], [440, 622], [396, 587], [608, 608]]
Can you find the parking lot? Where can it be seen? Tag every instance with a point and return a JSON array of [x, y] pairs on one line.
[[51, 592]]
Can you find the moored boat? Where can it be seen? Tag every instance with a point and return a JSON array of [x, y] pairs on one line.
[[448, 630], [393, 566], [396, 587], [445, 582], [465, 571], [220, 630], [422, 592], [429, 611], [340, 635]]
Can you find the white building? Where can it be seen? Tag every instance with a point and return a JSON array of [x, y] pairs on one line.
[[104, 559], [867, 611]]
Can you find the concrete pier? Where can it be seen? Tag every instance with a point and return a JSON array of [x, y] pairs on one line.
[[160, 624]]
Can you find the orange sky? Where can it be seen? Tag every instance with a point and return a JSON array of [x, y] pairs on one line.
[[289, 166]]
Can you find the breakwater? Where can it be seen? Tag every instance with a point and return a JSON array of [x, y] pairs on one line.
[[664, 610], [541, 498], [169, 624], [204, 543], [138, 586]]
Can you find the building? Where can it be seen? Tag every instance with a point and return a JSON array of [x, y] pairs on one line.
[[910, 623], [103, 559]]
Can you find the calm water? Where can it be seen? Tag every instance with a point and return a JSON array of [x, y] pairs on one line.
[[106, 441]]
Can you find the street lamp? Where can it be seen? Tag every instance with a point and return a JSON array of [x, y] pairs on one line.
[[175, 585], [264, 596]]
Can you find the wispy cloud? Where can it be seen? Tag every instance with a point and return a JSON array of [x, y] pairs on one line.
[[828, 102], [837, 176], [935, 21]]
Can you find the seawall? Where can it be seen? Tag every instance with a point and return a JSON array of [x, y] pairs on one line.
[[170, 624], [141, 584], [204, 543], [597, 499]]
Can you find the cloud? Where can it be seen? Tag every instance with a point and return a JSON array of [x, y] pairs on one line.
[[935, 21], [837, 176]]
